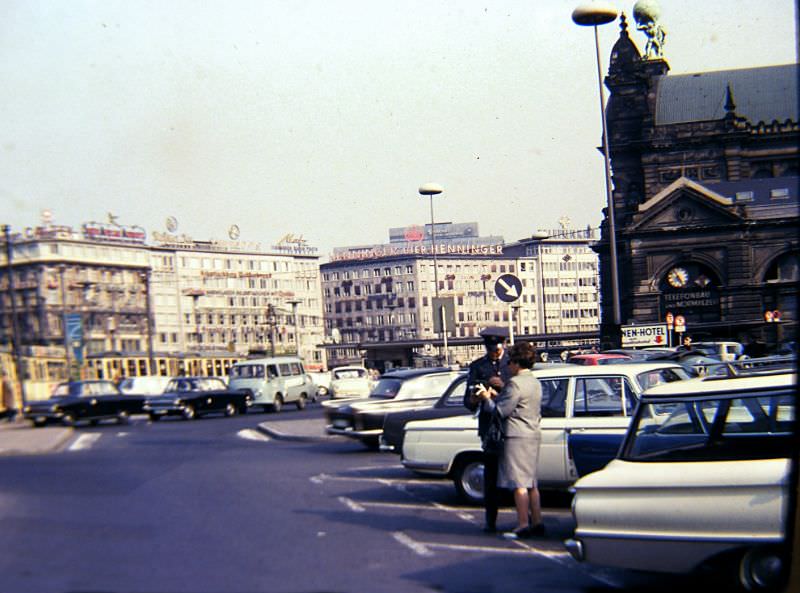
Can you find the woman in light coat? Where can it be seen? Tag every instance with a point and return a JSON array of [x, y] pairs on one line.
[[519, 407]]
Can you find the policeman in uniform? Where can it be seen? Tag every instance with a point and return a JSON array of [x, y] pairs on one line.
[[491, 370]]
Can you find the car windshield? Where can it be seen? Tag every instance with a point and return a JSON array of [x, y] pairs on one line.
[[748, 427], [658, 376], [247, 371], [350, 374], [386, 388]]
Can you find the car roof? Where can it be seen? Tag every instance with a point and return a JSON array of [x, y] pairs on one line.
[[411, 373], [705, 386], [624, 368]]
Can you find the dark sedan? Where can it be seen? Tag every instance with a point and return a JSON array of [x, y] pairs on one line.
[[77, 401], [450, 403], [362, 419], [190, 397]]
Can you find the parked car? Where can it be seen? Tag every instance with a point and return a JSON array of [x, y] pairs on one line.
[[362, 419], [146, 385], [77, 401], [350, 381], [450, 403], [273, 382], [322, 381], [701, 481], [574, 398], [190, 397], [596, 358], [724, 351]]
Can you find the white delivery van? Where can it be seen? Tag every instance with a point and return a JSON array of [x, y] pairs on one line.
[[273, 381]]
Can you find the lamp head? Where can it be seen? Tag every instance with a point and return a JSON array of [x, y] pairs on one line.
[[430, 189], [592, 14]]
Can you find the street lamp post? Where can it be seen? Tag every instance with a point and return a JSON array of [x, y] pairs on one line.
[[434, 189], [592, 15], [145, 276]]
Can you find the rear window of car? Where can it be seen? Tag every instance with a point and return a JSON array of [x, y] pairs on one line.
[[426, 386], [751, 427], [655, 377], [386, 389], [350, 374]]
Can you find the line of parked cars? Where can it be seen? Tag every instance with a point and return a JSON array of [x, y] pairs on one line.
[[268, 383], [671, 472]]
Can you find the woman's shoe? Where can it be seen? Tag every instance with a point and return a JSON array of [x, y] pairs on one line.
[[518, 533]]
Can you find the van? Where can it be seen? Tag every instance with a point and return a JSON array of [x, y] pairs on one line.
[[273, 381]]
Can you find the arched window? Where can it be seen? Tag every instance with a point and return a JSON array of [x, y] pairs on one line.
[[781, 285]]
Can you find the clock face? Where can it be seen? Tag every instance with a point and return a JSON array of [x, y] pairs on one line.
[[678, 277]]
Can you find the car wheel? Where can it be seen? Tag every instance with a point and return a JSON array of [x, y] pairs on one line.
[[277, 403], [154, 417], [468, 478], [762, 569], [123, 417], [68, 419], [301, 401], [93, 422], [189, 412], [39, 423], [230, 409]]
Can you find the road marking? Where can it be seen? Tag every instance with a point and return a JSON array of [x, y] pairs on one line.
[[252, 435], [416, 547], [84, 441], [351, 504]]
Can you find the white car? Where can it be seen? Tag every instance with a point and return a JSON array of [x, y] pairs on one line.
[[574, 398], [145, 385], [350, 381], [702, 479]]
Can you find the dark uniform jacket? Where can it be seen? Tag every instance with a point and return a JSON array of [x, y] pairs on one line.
[[480, 371]]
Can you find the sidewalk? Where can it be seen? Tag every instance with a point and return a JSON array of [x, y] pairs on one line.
[[306, 431], [20, 438]]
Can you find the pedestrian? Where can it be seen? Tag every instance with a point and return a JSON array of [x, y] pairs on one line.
[[9, 397], [489, 371], [518, 406]]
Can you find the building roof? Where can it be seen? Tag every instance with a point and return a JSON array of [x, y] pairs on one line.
[[763, 94]]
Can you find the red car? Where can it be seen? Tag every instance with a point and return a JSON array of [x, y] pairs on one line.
[[598, 358]]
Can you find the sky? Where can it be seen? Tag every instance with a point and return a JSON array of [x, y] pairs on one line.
[[322, 118]]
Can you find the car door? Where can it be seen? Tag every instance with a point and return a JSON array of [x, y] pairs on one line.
[[289, 382], [601, 404], [552, 456]]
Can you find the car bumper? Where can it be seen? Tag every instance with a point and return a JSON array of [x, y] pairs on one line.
[[163, 410], [353, 433], [43, 416]]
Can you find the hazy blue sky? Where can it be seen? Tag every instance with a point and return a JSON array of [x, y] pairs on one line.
[[323, 117]]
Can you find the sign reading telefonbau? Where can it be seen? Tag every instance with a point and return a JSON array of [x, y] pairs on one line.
[[75, 335], [644, 335]]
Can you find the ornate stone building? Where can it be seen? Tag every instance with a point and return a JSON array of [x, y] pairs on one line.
[[705, 176]]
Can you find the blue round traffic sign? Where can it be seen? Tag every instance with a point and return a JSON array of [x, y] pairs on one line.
[[508, 288]]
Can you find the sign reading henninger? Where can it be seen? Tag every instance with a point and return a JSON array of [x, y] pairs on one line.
[[644, 335]]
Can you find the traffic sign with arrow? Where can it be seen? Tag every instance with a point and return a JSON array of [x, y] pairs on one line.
[[508, 288]]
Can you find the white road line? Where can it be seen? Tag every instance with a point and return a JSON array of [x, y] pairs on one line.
[[252, 435], [416, 547], [351, 504], [84, 441], [458, 512]]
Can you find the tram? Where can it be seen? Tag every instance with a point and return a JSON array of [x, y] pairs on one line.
[[42, 368]]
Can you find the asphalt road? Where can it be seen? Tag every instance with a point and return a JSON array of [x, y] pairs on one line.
[[215, 506]]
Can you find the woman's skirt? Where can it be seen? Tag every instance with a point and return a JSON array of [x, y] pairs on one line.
[[518, 462]]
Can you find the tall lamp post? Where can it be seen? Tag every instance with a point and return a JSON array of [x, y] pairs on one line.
[[434, 189], [592, 15]]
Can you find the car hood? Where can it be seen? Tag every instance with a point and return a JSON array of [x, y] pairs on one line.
[[383, 406]]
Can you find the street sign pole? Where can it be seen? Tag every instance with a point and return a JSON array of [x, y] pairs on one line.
[[510, 325]]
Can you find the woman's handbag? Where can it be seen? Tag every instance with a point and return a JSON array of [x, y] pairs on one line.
[[495, 435]]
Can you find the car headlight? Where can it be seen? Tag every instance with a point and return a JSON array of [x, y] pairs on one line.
[[177, 402], [55, 409], [26, 409], [257, 393]]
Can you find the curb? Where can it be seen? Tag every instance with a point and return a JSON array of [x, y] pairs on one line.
[[265, 428]]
